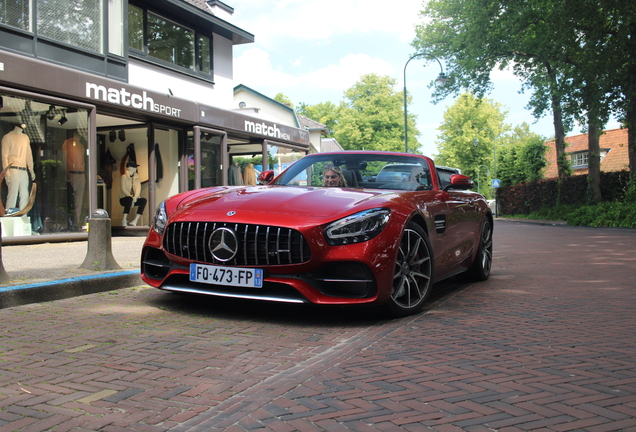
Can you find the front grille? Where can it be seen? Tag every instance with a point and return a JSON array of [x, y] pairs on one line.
[[258, 245]]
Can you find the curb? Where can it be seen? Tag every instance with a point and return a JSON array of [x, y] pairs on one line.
[[532, 221], [18, 295]]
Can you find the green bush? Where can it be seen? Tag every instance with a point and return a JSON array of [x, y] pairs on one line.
[[606, 214]]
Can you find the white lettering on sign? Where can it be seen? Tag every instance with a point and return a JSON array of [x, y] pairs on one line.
[[123, 97], [265, 129]]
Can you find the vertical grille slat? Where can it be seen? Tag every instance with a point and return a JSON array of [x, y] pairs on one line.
[[267, 245], [289, 245], [205, 242], [245, 245], [196, 240], [302, 243], [258, 245]]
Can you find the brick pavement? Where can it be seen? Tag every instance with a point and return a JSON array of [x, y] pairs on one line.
[[548, 343]]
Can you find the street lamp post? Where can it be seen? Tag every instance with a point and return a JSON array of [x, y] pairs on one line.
[[494, 149], [440, 78], [478, 171]]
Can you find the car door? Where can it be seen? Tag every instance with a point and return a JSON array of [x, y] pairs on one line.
[[462, 222]]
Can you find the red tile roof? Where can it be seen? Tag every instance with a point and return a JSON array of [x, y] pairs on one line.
[[614, 141]]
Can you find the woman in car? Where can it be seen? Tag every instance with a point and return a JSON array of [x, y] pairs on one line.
[[332, 176]]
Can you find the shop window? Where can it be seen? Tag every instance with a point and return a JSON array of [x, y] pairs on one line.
[[44, 189], [135, 27], [116, 27], [205, 51], [170, 42], [73, 22], [16, 13], [166, 42]]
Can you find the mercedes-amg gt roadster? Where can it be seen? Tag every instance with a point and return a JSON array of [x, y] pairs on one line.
[[341, 228]]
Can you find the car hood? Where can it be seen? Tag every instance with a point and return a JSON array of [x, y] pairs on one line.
[[318, 202]]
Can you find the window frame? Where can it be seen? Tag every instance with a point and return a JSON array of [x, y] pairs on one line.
[[144, 56], [579, 159]]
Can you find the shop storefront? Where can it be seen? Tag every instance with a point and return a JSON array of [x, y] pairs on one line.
[[69, 139]]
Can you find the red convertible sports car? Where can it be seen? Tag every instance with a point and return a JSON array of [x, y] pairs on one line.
[[356, 227]]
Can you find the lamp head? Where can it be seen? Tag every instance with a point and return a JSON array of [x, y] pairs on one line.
[[442, 78]]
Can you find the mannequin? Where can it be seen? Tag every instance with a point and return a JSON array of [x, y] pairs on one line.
[[129, 194], [16, 154], [74, 152]]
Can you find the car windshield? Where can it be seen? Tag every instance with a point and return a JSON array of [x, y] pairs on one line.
[[356, 170]]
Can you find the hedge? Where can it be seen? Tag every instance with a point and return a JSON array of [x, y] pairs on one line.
[[526, 198]]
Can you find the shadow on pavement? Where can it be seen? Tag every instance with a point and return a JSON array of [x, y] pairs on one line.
[[293, 315]]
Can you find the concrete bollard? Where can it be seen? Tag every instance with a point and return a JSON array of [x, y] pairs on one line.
[[4, 277], [99, 255]]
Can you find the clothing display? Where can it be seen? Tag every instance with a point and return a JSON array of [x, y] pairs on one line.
[[249, 175], [130, 190], [17, 155], [106, 169], [74, 159], [234, 177], [131, 156], [158, 164]]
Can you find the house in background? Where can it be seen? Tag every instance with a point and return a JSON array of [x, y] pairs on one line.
[[251, 102], [317, 132], [614, 153], [330, 145]]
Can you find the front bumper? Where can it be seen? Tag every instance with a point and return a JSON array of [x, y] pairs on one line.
[[335, 282]]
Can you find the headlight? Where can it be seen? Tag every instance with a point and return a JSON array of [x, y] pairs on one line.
[[160, 219], [359, 227]]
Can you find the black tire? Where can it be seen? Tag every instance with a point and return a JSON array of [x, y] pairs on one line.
[[413, 276], [480, 269]]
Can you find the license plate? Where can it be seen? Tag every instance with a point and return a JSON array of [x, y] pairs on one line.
[[226, 276]]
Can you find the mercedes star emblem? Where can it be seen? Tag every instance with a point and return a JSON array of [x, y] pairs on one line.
[[223, 244]]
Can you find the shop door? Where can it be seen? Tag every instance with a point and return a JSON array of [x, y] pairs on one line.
[[210, 160]]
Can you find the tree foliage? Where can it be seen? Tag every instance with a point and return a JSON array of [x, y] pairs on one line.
[[471, 128], [370, 116], [523, 159], [282, 98], [326, 113], [578, 57]]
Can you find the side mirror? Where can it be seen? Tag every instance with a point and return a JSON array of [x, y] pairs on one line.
[[460, 181], [265, 177]]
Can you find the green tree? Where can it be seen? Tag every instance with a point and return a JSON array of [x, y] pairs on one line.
[[471, 128], [475, 37], [577, 57], [522, 157], [280, 97], [372, 117], [323, 112]]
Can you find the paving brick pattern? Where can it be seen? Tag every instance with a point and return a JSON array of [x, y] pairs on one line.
[[548, 344]]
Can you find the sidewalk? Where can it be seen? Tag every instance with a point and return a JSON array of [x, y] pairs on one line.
[[50, 271]]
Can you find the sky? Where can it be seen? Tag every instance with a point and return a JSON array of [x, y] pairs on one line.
[[313, 51]]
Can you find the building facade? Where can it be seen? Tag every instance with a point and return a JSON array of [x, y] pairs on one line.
[[88, 86]]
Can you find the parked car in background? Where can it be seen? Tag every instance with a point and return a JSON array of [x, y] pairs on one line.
[[373, 240]]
